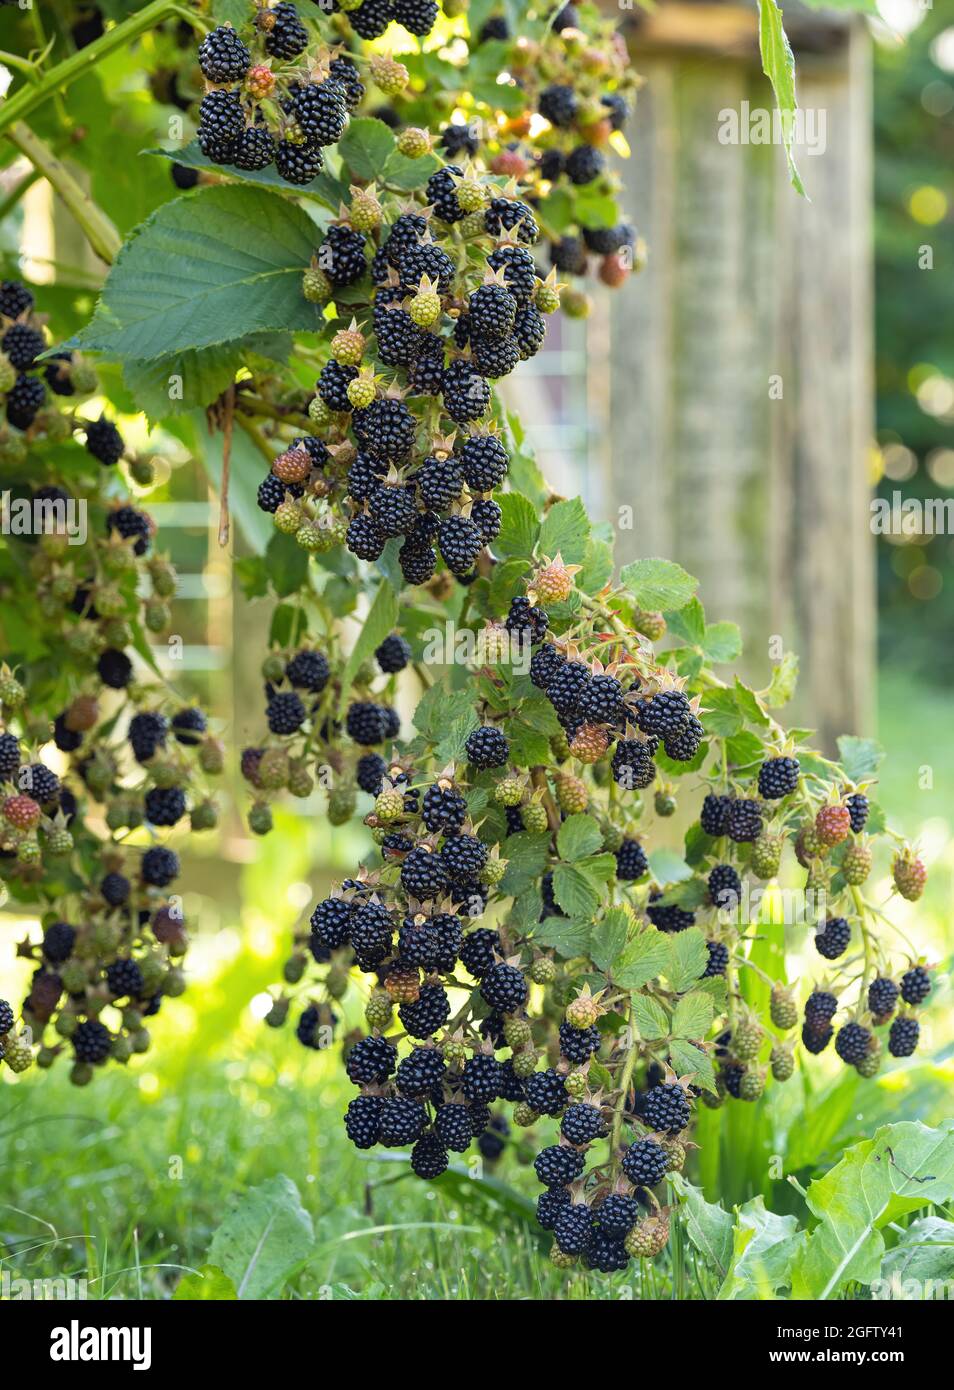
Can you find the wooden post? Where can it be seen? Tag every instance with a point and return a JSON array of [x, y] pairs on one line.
[[741, 412]]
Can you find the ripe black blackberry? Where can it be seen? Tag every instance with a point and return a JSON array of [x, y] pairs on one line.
[[345, 75], [460, 543], [452, 1125], [9, 756], [528, 622], [466, 393], [369, 773], [915, 985], [221, 118], [718, 959], [668, 917], [820, 1008], [418, 944], [285, 35], [15, 299], [851, 1043], [493, 311], [371, 1061], [549, 1205], [544, 663], [130, 524], [815, 1040], [725, 887], [58, 942], [714, 816], [223, 57], [456, 137], [333, 383], [371, 18], [832, 941], [631, 861], [509, 215], [103, 440], [115, 669], [429, 1157], [618, 108], [22, 345], [569, 255], [664, 714], [665, 1109], [632, 764], [487, 747], [115, 888], [529, 331], [443, 808], [331, 922], [858, 809], [519, 268], [365, 723], [566, 686], [495, 357], [778, 777], [365, 537], [418, 561], [442, 193], [504, 988], [882, 996], [165, 805], [393, 654], [645, 1163], [363, 1121], [551, 164], [37, 780], [478, 949], [321, 112], [386, 429], [393, 508], [488, 518], [371, 932], [428, 1013], [124, 979], [422, 1069], [463, 857], [308, 670], [92, 1041], [744, 820], [480, 1079], [402, 1122], [364, 477], [415, 260], [255, 149], [285, 713], [559, 105], [584, 164], [271, 493], [903, 1037], [599, 700], [450, 935], [603, 241], [546, 1092], [683, 746], [573, 1229], [7, 1018], [492, 1141], [423, 875], [159, 866], [606, 1253], [579, 1044], [558, 1165], [298, 164], [617, 1213], [188, 726], [147, 732], [24, 399], [440, 482], [417, 16], [582, 1123]]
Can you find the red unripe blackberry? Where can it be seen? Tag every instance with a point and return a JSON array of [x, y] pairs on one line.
[[582, 1123], [91, 1041], [402, 1122], [665, 1109], [645, 1163], [558, 1165], [833, 940], [487, 747], [832, 824], [573, 1229], [363, 1121], [421, 1070], [428, 1013], [910, 876], [915, 985], [371, 1061], [429, 1157], [631, 861], [22, 812], [481, 1078], [903, 1037], [778, 777]]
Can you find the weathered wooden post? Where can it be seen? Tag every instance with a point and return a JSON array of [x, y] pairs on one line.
[[740, 402]]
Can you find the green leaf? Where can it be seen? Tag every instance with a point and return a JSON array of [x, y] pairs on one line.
[[781, 687], [688, 623], [720, 713], [529, 746], [643, 958], [925, 1251], [564, 935], [380, 622], [207, 1285], [597, 568], [765, 1246], [687, 1060], [578, 836], [667, 866], [744, 748], [601, 867], [438, 705], [860, 757], [608, 938], [519, 527], [692, 1016], [193, 277], [287, 564], [658, 584], [688, 958], [778, 64], [722, 642], [169, 386], [750, 705], [575, 891], [407, 174], [528, 854], [650, 1017], [366, 147], [324, 188], [905, 1166], [265, 1237], [566, 532], [708, 1225]]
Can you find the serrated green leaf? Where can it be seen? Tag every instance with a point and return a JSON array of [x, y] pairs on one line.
[[658, 584], [708, 1226], [286, 563], [688, 958], [721, 715], [366, 147], [519, 527], [601, 867], [576, 892], [765, 1247], [743, 749], [644, 957], [408, 174], [650, 1018], [688, 622], [380, 622], [578, 836], [528, 854], [860, 757], [750, 705], [192, 277], [565, 936], [692, 1016], [781, 687], [667, 866], [687, 1060], [778, 64], [566, 532], [722, 642], [608, 938]]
